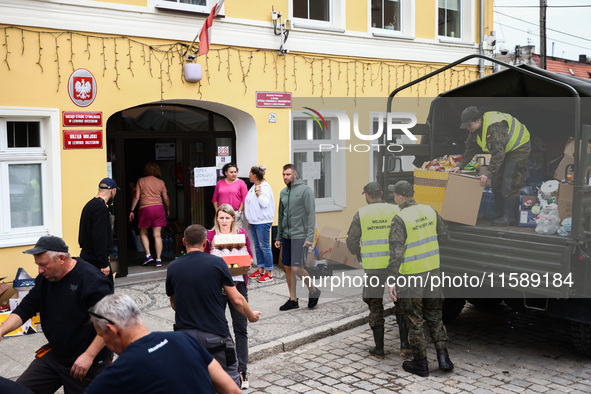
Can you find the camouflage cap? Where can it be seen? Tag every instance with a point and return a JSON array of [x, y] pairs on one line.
[[403, 188], [371, 188], [468, 115]]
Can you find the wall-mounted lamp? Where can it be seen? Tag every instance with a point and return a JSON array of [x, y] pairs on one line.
[[192, 71], [283, 30]]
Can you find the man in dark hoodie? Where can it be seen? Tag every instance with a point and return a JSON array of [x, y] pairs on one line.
[[295, 232]]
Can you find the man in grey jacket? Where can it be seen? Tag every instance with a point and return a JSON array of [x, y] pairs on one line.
[[295, 232]]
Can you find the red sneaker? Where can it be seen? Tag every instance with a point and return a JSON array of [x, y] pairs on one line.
[[265, 278], [256, 274]]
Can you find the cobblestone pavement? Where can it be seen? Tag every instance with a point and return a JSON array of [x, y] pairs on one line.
[[499, 351]]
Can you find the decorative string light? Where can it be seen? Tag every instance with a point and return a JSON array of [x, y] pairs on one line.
[[363, 79]]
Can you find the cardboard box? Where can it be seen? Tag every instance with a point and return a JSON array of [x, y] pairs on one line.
[[242, 262], [340, 253], [429, 187], [17, 332], [565, 201], [8, 294], [331, 248], [526, 217], [561, 170], [462, 199], [23, 279], [568, 158]]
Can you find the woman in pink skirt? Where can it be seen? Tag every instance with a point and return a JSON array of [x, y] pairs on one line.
[[150, 191]]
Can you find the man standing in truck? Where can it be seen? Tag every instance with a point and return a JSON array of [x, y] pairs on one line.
[[414, 258], [507, 140], [368, 240]]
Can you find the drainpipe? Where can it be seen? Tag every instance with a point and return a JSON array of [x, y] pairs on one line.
[[481, 45]]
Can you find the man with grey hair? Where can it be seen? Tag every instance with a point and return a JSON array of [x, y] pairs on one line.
[[64, 290], [152, 362], [194, 283]]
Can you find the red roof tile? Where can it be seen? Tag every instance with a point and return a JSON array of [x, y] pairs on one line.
[[581, 70]]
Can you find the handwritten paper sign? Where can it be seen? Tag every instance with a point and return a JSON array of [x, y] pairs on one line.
[[205, 176]]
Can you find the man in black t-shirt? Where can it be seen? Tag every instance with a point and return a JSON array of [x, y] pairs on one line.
[[64, 290], [152, 362], [95, 234], [194, 283]]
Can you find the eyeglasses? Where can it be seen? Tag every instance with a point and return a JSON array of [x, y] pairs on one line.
[[101, 317]]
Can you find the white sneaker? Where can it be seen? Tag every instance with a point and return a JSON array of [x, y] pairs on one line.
[[244, 379]]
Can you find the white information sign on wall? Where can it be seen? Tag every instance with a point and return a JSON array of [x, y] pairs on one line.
[[205, 176], [221, 161], [165, 151], [311, 170]]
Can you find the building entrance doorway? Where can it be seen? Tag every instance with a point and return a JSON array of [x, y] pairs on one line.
[[178, 138]]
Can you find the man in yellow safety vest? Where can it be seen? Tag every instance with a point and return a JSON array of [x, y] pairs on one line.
[[414, 258], [368, 240], [508, 142]]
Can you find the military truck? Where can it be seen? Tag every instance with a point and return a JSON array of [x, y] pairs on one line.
[[510, 260]]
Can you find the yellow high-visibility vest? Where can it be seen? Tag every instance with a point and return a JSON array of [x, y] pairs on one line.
[[375, 221], [422, 248], [518, 133]]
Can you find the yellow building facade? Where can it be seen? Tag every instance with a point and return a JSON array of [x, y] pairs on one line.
[[120, 65]]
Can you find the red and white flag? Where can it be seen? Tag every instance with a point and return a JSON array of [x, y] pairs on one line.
[[205, 34]]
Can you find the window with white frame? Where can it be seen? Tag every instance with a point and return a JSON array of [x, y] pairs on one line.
[[188, 5], [28, 160], [450, 18], [318, 14], [322, 169], [385, 14], [316, 10]]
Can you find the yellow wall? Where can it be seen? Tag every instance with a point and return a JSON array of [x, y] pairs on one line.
[[256, 9], [128, 73], [426, 18], [356, 13]]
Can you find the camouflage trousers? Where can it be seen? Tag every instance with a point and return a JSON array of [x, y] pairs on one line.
[[373, 295], [420, 304], [510, 177]]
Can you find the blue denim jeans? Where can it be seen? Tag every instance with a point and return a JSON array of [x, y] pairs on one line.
[[261, 238]]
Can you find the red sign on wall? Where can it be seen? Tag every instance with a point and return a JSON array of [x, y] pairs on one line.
[[78, 118], [273, 100], [83, 139]]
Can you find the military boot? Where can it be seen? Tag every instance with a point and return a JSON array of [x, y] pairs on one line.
[[499, 208], [510, 213], [378, 337], [418, 367], [405, 351], [445, 363]]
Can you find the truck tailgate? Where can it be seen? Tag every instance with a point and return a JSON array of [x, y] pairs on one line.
[[494, 253]]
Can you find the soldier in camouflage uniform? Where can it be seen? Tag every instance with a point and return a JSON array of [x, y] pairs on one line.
[[414, 255], [508, 142], [368, 240]]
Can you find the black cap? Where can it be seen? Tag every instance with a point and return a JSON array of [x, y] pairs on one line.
[[468, 115], [403, 188], [371, 188], [108, 183], [48, 243]]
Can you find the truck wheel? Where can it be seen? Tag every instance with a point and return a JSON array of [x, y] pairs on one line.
[[485, 304], [581, 336], [452, 307]]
